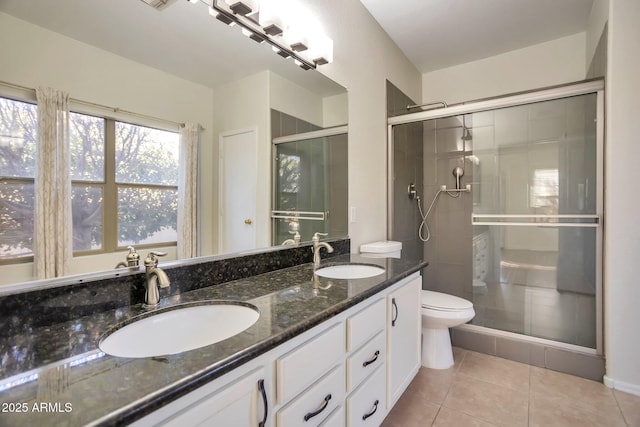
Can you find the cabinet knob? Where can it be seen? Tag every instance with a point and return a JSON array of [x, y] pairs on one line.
[[248, 221]]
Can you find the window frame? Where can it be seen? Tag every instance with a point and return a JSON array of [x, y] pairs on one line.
[[109, 184], [110, 188], [19, 180]]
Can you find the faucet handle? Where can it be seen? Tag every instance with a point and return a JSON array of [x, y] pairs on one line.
[[133, 259], [152, 259], [317, 234]]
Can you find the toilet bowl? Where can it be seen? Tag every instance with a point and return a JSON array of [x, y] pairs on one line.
[[439, 313]]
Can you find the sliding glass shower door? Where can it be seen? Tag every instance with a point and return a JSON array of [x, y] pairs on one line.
[[310, 190], [525, 244], [536, 230]]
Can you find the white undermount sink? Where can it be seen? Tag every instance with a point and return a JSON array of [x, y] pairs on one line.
[[349, 271], [178, 329]]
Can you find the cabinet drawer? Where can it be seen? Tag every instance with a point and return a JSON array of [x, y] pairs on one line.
[[363, 362], [366, 405], [365, 324], [336, 419], [297, 369], [313, 406]]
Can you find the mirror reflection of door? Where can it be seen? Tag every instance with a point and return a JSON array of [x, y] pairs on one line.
[[238, 166]]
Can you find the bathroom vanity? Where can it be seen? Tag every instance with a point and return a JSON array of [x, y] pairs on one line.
[[333, 351]]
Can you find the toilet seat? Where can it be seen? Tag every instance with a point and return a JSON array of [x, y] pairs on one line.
[[444, 302]]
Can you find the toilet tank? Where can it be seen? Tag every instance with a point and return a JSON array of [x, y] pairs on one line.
[[381, 249]]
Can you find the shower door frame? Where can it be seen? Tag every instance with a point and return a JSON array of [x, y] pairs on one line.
[[595, 86]]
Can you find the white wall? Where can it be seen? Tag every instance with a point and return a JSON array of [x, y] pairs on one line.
[[364, 57], [295, 100], [556, 62], [597, 20], [97, 76], [335, 110], [240, 105], [622, 231]]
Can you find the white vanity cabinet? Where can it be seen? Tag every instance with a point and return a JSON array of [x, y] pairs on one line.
[[366, 360], [403, 336], [310, 378], [241, 400], [347, 371]]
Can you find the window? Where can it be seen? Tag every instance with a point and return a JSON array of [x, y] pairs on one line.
[[18, 136], [146, 175], [87, 170], [545, 190], [124, 182], [289, 180]]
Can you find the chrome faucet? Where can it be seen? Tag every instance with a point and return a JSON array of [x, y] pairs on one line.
[[155, 278], [317, 244]]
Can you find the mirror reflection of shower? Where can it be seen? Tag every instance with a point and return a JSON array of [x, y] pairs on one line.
[[423, 231]]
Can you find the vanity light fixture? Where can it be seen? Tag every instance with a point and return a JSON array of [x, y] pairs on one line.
[[240, 8], [291, 31]]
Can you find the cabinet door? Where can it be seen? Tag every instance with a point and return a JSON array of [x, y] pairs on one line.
[[403, 338], [239, 404], [365, 406]]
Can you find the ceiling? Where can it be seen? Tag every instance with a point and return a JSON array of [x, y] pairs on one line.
[[436, 34], [185, 41], [182, 39]]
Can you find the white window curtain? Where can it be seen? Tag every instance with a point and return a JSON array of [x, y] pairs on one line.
[[53, 225], [188, 190]]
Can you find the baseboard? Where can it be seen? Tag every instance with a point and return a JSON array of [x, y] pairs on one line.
[[544, 354], [621, 385]]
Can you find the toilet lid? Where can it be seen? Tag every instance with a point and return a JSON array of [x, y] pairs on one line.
[[440, 301]]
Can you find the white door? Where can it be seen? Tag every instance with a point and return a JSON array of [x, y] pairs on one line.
[[238, 166]]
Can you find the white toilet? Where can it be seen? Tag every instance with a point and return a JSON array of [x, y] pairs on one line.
[[439, 313]]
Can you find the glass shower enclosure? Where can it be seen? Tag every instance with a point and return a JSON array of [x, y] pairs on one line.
[[525, 245], [310, 185]]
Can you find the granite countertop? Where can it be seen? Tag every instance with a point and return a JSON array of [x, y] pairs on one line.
[[56, 374]]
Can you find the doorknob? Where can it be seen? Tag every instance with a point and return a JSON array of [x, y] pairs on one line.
[[248, 221]]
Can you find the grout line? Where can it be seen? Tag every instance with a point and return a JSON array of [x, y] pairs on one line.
[[529, 400], [436, 417], [624, 418]]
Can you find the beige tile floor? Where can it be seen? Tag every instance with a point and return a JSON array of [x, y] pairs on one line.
[[482, 390]]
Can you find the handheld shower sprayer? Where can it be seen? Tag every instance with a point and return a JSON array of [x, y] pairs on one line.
[[412, 193], [457, 173]]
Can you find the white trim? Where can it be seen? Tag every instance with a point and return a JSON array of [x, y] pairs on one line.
[[338, 130], [564, 216], [502, 102], [621, 385], [539, 224]]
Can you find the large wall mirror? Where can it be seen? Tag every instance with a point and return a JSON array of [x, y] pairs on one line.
[[175, 65]]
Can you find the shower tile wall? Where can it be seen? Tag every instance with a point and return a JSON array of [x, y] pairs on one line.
[[449, 250], [283, 124], [408, 168]]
